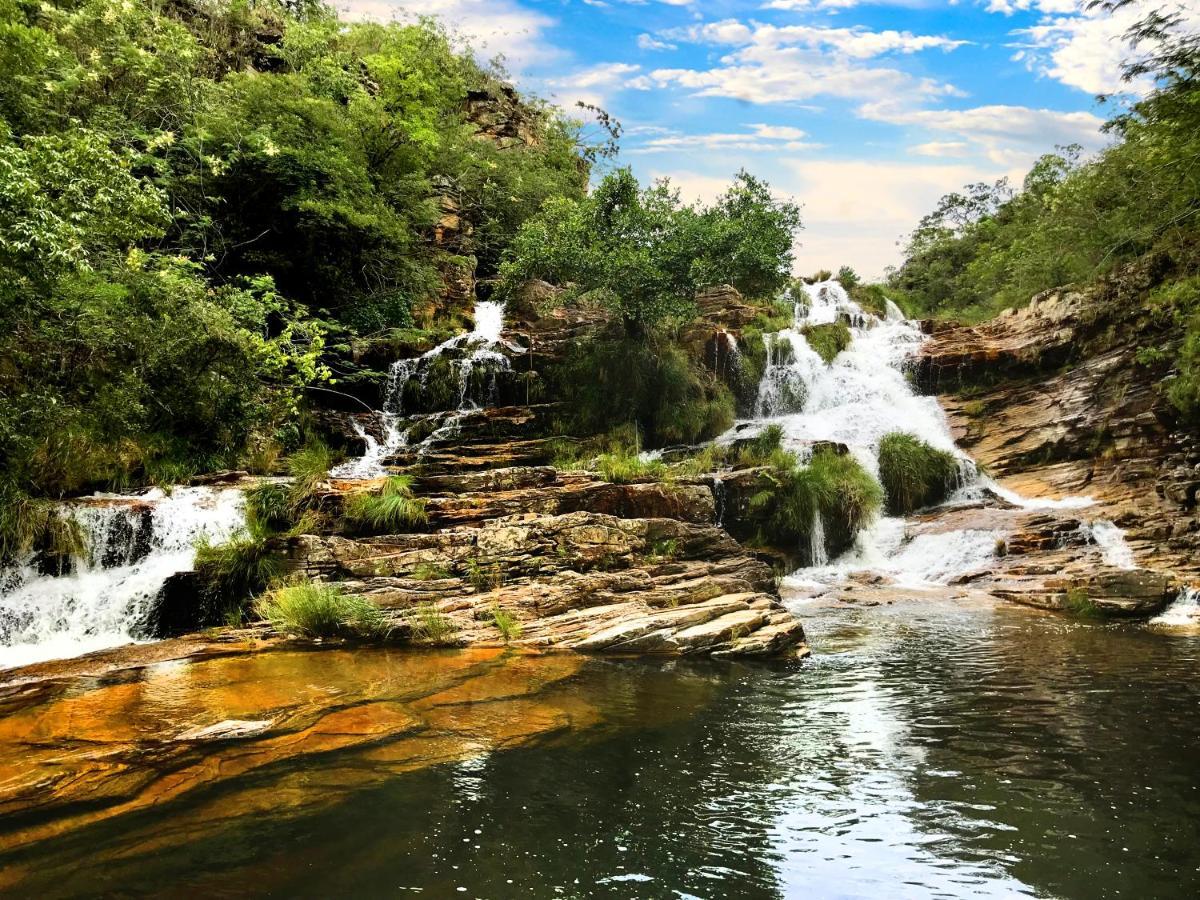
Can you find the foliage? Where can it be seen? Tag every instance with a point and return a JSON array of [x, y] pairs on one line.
[[238, 568], [649, 383], [913, 473], [27, 525], [269, 507], [321, 609], [828, 340], [309, 468], [430, 571], [643, 253], [484, 577], [392, 509], [831, 486], [193, 197], [509, 627]]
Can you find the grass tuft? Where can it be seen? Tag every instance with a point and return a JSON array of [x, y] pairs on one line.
[[913, 473], [430, 625], [509, 627], [317, 609], [237, 569], [827, 340], [392, 509]]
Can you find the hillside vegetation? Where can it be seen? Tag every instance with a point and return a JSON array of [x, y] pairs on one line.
[[1076, 220]]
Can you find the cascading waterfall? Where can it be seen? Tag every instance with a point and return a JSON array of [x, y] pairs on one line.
[[858, 398], [482, 351], [1185, 611], [131, 546]]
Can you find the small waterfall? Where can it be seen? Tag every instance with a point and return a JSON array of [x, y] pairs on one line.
[[1111, 541], [1185, 610], [481, 352], [132, 545], [817, 553]]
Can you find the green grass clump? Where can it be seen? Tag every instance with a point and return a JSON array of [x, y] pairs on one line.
[[319, 609], [430, 625], [827, 340], [428, 571], [392, 509], [237, 569], [509, 627], [913, 473], [269, 506], [1078, 603], [832, 485], [484, 577], [624, 467], [309, 468]]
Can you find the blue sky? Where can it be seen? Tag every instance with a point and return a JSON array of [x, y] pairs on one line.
[[864, 112]]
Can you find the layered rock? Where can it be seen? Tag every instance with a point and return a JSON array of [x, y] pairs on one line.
[[1052, 401]]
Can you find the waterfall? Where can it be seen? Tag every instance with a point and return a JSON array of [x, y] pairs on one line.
[[132, 545], [1185, 610], [482, 350], [856, 399], [818, 556], [1111, 541]]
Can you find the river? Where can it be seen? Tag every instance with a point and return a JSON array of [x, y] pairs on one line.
[[932, 747]]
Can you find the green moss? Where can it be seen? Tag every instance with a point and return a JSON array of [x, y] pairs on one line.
[[827, 340], [1078, 603], [317, 609], [913, 473], [391, 510]]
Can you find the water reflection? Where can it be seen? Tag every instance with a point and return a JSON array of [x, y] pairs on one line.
[[928, 750]]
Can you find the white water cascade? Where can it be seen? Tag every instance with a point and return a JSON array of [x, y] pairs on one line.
[[481, 349], [1185, 611], [132, 545], [856, 399]]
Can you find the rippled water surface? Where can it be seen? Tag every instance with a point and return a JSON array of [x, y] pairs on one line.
[[925, 750]]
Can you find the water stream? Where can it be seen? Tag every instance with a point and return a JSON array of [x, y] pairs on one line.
[[131, 546], [480, 349]]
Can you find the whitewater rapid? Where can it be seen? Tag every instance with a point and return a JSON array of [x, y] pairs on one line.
[[131, 546]]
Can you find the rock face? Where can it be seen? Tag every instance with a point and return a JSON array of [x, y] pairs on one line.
[[1052, 401], [581, 580]]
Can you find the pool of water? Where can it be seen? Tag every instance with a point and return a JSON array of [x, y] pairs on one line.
[[927, 749]]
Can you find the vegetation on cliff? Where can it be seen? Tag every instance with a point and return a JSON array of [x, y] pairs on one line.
[[197, 200], [1075, 220], [913, 473]]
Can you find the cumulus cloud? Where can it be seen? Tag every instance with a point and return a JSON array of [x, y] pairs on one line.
[[650, 42], [1006, 135], [491, 26], [593, 85], [787, 64]]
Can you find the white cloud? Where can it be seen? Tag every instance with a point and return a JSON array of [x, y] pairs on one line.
[[787, 64], [1084, 48], [649, 42], [593, 85], [942, 148], [1006, 135], [760, 138], [491, 26]]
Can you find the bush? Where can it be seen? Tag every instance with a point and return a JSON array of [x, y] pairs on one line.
[[317, 609], [391, 510], [827, 340], [653, 384], [832, 486], [913, 473], [237, 569]]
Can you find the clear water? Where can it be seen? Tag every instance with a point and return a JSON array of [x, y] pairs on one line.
[[931, 750]]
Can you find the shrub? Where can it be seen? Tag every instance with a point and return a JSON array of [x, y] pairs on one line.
[[913, 473], [651, 383], [392, 509], [832, 486], [237, 569], [827, 340], [317, 609]]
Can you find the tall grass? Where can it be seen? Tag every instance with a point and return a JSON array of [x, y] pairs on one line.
[[27, 524], [833, 486], [625, 466], [318, 609], [237, 569], [913, 473], [391, 509], [309, 468]]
